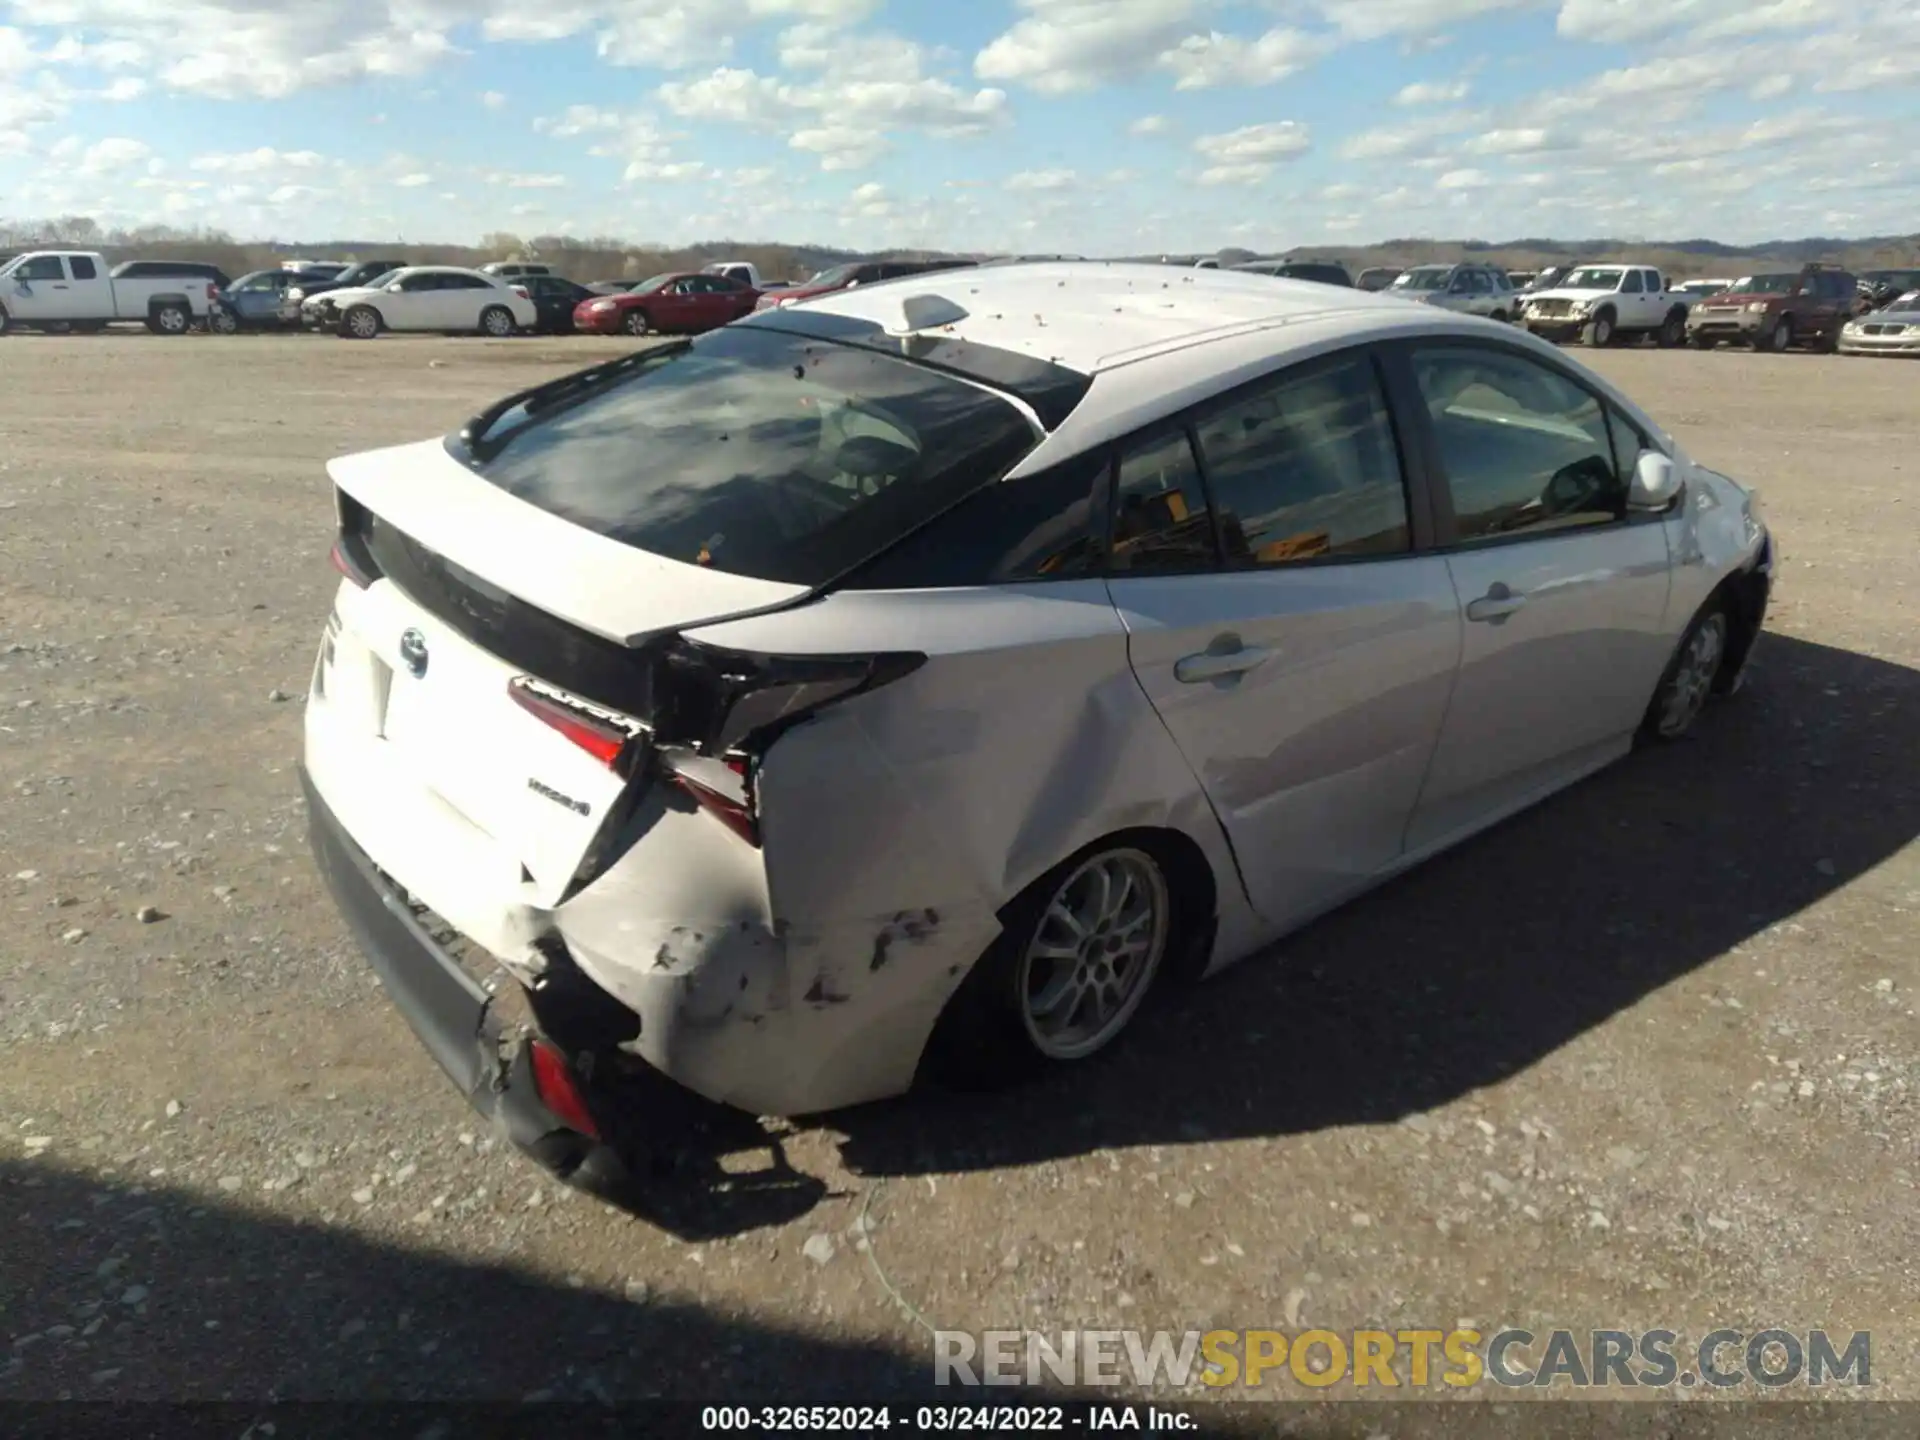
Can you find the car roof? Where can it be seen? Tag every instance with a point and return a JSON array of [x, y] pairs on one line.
[[1092, 317], [1155, 339]]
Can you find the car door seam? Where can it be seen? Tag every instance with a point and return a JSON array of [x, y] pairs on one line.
[[1446, 710], [1226, 831]]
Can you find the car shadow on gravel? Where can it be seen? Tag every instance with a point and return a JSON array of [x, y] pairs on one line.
[[1481, 962], [117, 1292], [120, 1302]]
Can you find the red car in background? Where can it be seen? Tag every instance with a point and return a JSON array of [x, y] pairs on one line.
[[860, 272], [683, 301]]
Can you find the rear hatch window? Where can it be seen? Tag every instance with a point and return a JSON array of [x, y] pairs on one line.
[[756, 452]]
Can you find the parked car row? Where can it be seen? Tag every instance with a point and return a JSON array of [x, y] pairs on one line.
[[1818, 306]]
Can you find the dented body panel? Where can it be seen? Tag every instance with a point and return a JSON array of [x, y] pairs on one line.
[[794, 953]]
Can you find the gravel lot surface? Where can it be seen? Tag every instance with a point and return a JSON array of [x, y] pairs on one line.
[[1645, 1056]]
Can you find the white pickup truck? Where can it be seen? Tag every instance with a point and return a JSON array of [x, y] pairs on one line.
[[71, 290], [1603, 303], [745, 271]]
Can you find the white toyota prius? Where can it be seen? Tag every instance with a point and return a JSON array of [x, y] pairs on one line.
[[923, 675]]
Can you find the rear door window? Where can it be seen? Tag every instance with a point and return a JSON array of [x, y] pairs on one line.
[[83, 267], [1161, 520], [759, 453], [1306, 467]]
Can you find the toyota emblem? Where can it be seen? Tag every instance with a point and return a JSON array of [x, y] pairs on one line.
[[413, 653]]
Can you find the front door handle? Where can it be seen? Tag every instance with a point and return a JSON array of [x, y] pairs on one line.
[[1497, 604], [1219, 664]]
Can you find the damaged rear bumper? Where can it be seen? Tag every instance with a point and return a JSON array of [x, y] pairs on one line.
[[449, 1011]]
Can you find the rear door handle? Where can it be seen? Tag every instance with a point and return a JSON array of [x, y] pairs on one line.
[[1497, 604], [1219, 664]]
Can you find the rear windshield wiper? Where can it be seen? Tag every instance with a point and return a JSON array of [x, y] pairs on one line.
[[473, 435]]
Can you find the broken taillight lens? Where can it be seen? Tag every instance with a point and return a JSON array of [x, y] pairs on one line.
[[553, 1078], [724, 702], [600, 733], [723, 789]]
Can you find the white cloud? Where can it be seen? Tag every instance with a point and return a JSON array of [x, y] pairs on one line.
[[414, 180], [493, 100], [255, 162], [512, 180], [1248, 155], [1060, 46], [1464, 180], [110, 157], [1432, 92], [1202, 62], [1042, 180], [1150, 125], [848, 116], [1526, 140], [1379, 19]]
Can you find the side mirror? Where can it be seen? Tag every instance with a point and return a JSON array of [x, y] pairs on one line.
[[393, 289], [1656, 484]]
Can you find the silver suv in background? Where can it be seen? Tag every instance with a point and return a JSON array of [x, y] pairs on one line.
[[1468, 289]]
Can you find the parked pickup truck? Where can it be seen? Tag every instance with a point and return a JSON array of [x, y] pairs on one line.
[[71, 290], [1604, 303]]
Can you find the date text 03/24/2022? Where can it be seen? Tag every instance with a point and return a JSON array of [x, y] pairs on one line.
[[942, 1419]]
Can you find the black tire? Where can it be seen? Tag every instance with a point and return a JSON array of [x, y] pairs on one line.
[[222, 322], [1780, 339], [1599, 332], [1501, 316], [362, 322], [1705, 342], [171, 319], [1673, 330], [1691, 676], [497, 322], [987, 1036], [6, 321], [637, 323]]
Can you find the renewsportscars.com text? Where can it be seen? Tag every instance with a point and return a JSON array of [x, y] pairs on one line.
[[1416, 1359]]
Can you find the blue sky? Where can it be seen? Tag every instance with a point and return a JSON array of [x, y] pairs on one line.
[[1094, 126]]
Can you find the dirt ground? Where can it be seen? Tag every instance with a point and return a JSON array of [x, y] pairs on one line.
[[1643, 1057]]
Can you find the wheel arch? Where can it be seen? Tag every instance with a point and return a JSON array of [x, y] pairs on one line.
[[1744, 595], [1189, 874]]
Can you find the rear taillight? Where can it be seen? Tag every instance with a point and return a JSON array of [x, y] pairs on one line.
[[343, 559], [522, 292], [607, 737], [351, 555], [722, 702], [722, 788], [553, 1078]]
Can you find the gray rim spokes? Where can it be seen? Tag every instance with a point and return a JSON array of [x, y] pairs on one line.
[[1097, 946], [1694, 678]]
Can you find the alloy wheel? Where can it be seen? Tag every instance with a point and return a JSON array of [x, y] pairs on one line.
[[1094, 953], [1693, 675]]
